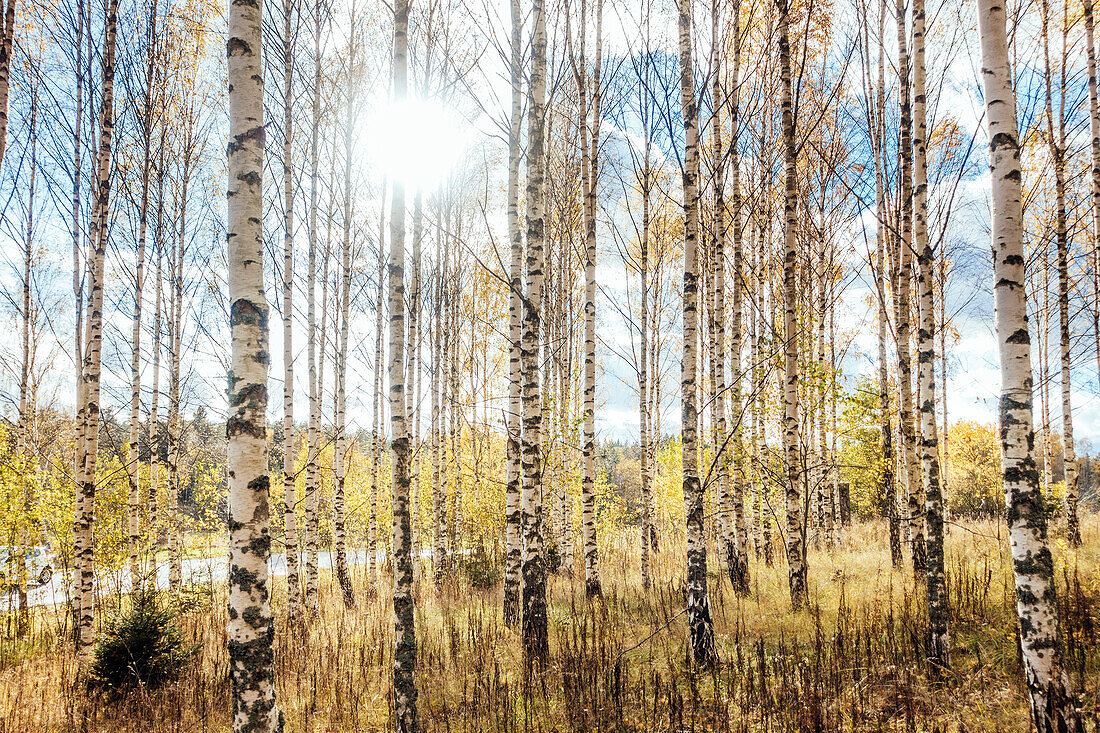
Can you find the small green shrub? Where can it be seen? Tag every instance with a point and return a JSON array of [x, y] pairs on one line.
[[482, 570], [553, 558], [142, 647]]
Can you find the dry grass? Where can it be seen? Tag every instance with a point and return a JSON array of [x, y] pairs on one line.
[[853, 662]]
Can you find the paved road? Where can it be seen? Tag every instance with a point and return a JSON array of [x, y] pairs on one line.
[[196, 570]]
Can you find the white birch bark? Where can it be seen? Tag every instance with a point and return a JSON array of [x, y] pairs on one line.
[[377, 402], [902, 305], [737, 476], [589, 149], [513, 545], [24, 454], [700, 625], [796, 536], [939, 640], [89, 383], [1094, 167], [132, 458], [535, 641], [404, 650], [290, 499], [251, 630], [340, 458], [1056, 141], [7, 34], [1036, 604], [312, 489]]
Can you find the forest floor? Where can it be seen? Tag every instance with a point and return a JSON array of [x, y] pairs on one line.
[[852, 662]]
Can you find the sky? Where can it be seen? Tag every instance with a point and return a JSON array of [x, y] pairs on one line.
[[447, 137]]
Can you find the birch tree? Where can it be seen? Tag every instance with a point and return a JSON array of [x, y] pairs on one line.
[[404, 637], [290, 499], [340, 456], [796, 539], [251, 630], [312, 489], [939, 644], [513, 541], [27, 316], [535, 641], [7, 35], [146, 123], [700, 625], [738, 561], [902, 301], [1094, 168], [1056, 144], [1051, 697], [589, 147], [377, 414], [88, 389]]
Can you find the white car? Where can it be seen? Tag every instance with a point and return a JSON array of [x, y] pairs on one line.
[[39, 564]]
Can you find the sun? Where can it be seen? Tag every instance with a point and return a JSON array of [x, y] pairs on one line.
[[417, 142]]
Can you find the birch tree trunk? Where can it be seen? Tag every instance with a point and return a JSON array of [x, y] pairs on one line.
[[78, 326], [566, 413], [1057, 144], [175, 327], [796, 536], [413, 380], [25, 461], [563, 361], [411, 414], [535, 642], [290, 499], [251, 630], [340, 456], [404, 631], [513, 545], [700, 626], [7, 34], [740, 525], [889, 498], [1094, 182], [312, 450], [78, 267], [945, 434], [154, 408], [89, 384], [654, 408], [1048, 685], [132, 459], [838, 517], [757, 381], [939, 641], [453, 414], [377, 402], [902, 305], [175, 445], [643, 370], [439, 509], [589, 176], [322, 351], [716, 299], [1043, 349], [824, 505]]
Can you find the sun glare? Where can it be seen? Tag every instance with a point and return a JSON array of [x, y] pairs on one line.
[[417, 142]]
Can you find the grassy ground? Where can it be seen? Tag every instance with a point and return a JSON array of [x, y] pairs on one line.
[[853, 662]]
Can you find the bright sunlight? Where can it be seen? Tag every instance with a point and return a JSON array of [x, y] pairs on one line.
[[416, 141]]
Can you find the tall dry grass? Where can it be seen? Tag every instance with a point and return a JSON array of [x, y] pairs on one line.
[[852, 662]]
